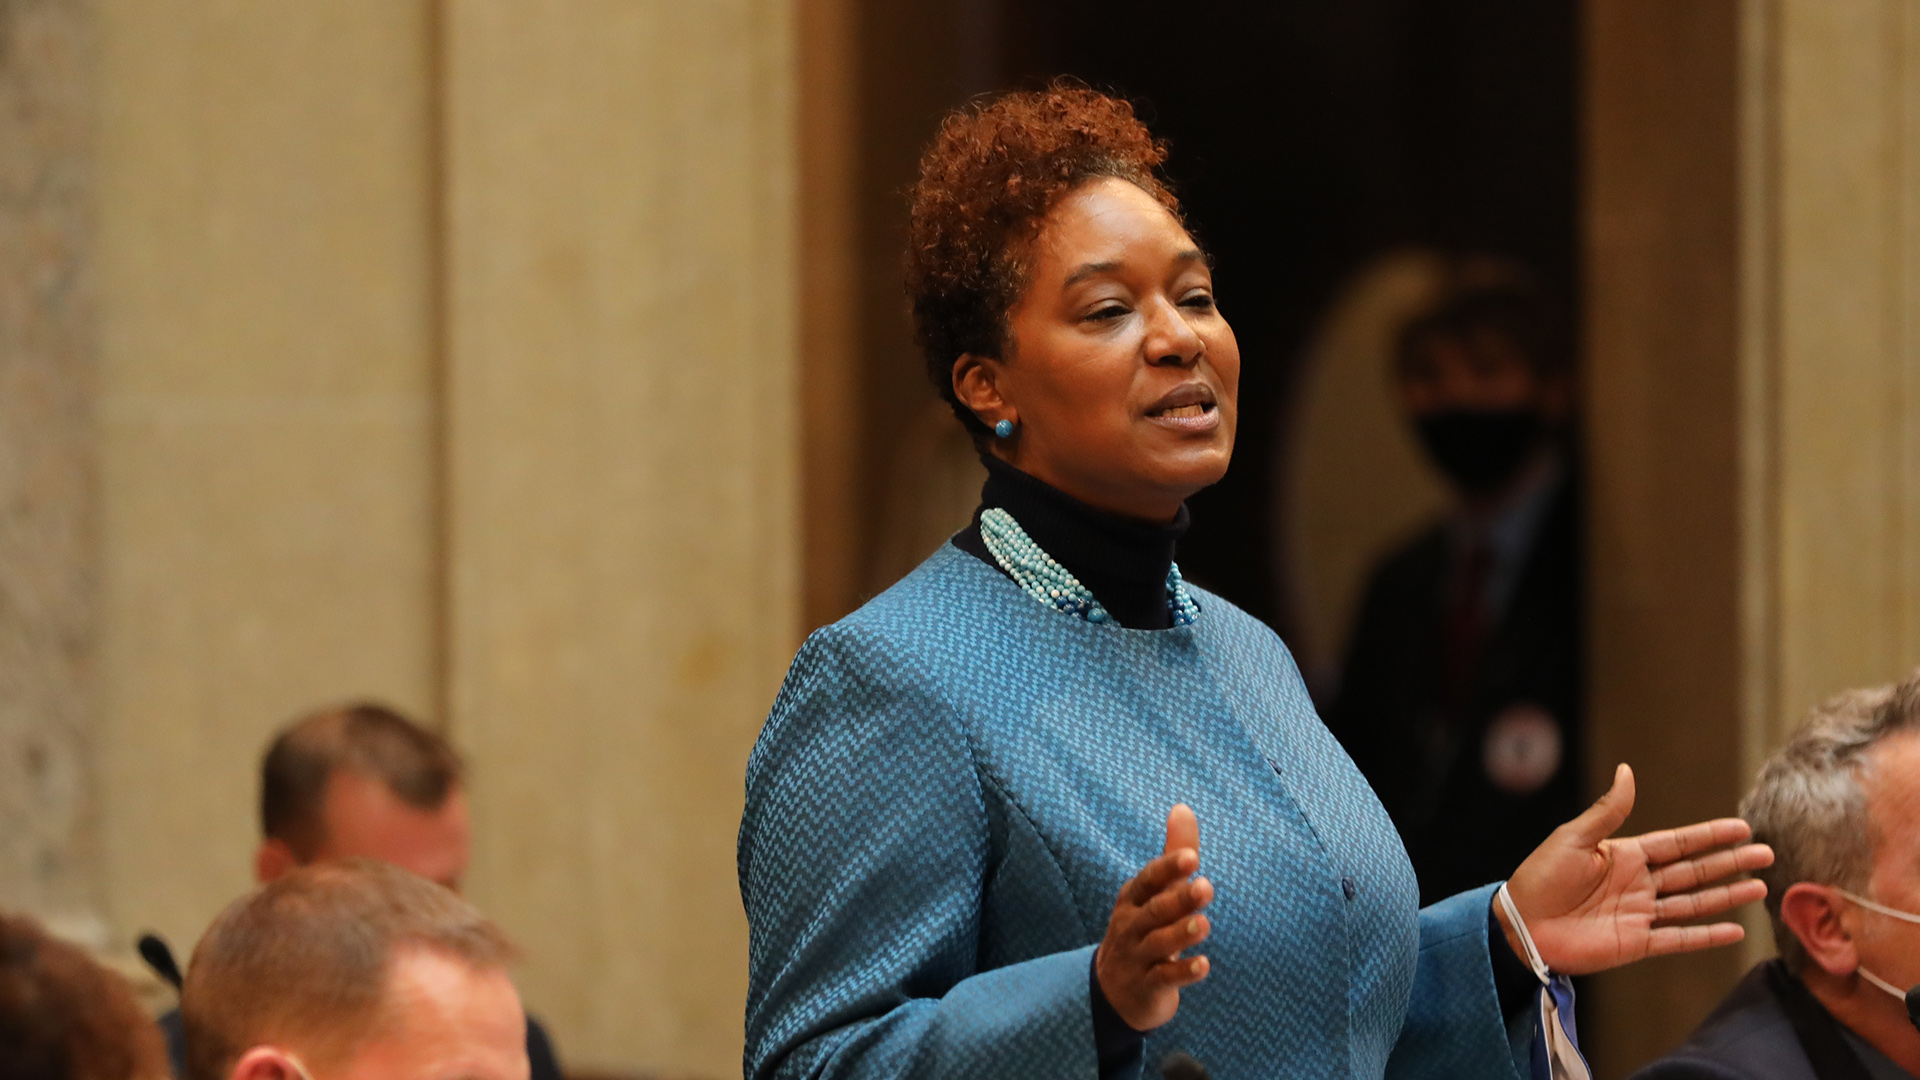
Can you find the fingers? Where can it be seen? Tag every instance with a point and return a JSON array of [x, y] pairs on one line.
[[1693, 873], [1167, 921], [1140, 955], [1154, 877], [1180, 973], [1605, 817], [1181, 858], [1170, 904], [1698, 905], [1172, 940], [1183, 829], [1666, 940], [1156, 914], [1668, 845], [1139, 964]]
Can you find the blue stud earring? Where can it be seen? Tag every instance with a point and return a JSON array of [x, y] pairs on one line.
[[1004, 429]]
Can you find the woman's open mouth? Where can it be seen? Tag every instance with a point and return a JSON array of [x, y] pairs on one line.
[[1188, 408]]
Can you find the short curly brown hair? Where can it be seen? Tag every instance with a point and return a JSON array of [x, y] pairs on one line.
[[994, 171]]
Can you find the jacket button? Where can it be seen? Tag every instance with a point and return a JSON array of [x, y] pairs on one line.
[[1347, 886]]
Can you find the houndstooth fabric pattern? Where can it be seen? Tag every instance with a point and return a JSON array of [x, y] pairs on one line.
[[955, 782]]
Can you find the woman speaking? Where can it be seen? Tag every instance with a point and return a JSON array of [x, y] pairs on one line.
[[1043, 809]]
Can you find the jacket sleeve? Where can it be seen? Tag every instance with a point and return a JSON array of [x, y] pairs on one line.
[[1453, 1026], [863, 857]]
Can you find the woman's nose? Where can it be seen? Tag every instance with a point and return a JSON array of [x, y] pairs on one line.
[[1171, 341]]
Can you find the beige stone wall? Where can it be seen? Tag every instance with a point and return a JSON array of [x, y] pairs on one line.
[[624, 460], [264, 411], [448, 355], [1833, 351], [47, 808], [1753, 364]]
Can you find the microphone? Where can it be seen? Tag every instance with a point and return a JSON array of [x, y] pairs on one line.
[[160, 958], [1913, 1007], [1180, 1065]]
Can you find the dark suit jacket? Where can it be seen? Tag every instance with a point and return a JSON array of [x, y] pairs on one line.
[[1462, 831], [1752, 1036], [539, 1048]]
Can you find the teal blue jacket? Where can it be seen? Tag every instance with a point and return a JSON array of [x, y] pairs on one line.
[[956, 780]]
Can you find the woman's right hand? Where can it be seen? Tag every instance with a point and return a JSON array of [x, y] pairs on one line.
[[1156, 918]]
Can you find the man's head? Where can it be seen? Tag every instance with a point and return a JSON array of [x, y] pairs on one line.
[[363, 781], [1840, 804], [348, 970], [64, 1017], [1484, 374]]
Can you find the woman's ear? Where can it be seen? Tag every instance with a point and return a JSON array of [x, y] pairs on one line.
[[976, 384], [1813, 915]]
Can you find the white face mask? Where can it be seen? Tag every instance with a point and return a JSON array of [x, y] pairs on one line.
[[1895, 913]]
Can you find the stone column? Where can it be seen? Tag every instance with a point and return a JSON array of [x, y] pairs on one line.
[[833, 519], [1831, 352], [48, 847], [624, 464], [266, 401], [1753, 359]]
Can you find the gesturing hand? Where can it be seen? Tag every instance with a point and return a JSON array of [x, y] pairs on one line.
[[1157, 917], [1591, 902]]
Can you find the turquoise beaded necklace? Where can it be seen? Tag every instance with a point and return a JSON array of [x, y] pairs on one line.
[[1048, 582]]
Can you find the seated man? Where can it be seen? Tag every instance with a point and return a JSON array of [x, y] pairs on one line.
[[363, 781], [347, 970], [64, 1017], [1840, 803]]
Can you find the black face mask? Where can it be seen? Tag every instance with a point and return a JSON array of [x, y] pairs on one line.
[[1480, 449]]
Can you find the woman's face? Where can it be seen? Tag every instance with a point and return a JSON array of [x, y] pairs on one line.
[[1121, 376]]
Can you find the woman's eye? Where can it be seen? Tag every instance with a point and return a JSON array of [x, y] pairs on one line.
[[1199, 302], [1106, 313]]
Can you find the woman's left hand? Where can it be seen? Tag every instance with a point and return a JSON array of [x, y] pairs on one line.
[[1592, 902]]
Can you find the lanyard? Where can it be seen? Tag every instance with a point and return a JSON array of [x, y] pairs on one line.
[[1555, 1052]]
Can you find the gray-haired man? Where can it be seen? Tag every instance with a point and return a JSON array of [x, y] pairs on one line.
[[1840, 803]]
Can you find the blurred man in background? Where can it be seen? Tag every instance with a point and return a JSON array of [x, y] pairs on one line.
[[1460, 694], [64, 1017], [349, 970], [363, 781], [1840, 803]]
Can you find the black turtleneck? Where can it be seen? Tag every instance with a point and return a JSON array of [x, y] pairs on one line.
[[1122, 561]]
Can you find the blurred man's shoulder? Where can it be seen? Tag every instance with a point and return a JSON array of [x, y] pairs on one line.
[[1748, 1037], [542, 1062]]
